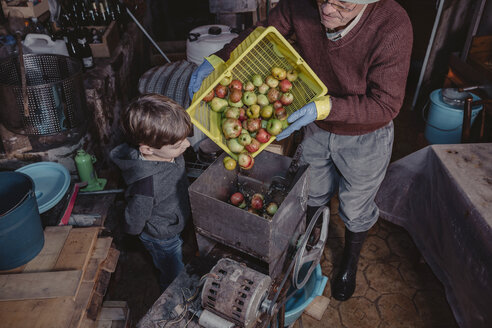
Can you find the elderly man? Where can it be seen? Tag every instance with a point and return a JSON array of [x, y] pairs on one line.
[[361, 50]]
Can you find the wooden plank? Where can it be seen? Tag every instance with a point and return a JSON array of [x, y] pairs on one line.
[[112, 313], [317, 307], [39, 285], [54, 239], [77, 249], [102, 248], [81, 303], [48, 313], [111, 261]]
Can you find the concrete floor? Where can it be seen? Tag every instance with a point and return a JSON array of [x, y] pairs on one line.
[[395, 287]]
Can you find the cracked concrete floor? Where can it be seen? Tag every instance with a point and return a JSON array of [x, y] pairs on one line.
[[395, 287]]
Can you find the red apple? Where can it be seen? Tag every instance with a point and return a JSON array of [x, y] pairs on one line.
[[253, 146], [245, 161], [281, 113], [285, 85], [253, 124], [232, 112], [235, 95], [277, 104], [236, 84], [262, 136], [221, 91], [257, 201], [286, 98], [231, 128], [273, 95], [237, 198], [209, 96], [242, 114]]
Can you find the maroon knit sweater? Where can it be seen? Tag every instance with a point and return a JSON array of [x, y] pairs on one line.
[[365, 71]]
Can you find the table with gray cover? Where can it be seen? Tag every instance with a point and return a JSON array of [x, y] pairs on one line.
[[442, 195]]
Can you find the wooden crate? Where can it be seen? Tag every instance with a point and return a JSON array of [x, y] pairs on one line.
[[28, 11], [110, 41], [64, 285]]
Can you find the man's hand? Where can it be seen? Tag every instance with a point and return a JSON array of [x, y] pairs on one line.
[[197, 77], [299, 118]]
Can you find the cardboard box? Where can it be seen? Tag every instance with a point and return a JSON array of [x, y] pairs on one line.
[[29, 10], [110, 41]]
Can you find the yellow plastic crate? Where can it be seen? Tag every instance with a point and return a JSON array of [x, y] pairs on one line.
[[263, 49]]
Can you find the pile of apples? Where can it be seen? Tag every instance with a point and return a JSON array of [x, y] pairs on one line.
[[256, 204], [252, 112]]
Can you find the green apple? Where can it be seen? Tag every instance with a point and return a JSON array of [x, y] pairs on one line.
[[249, 98], [244, 138], [263, 88], [257, 80], [235, 104], [226, 81], [235, 146], [274, 126], [267, 111], [218, 104], [262, 100], [253, 111], [232, 112]]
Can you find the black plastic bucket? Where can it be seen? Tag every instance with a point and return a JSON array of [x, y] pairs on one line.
[[21, 232]]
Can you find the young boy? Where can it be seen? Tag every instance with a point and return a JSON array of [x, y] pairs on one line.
[[153, 168]]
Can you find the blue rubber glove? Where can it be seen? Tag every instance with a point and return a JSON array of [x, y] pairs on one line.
[[197, 77], [302, 117]]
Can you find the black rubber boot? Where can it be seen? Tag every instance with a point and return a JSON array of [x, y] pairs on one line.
[[343, 285]]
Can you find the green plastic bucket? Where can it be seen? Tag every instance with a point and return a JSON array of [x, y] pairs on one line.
[[444, 122], [21, 232]]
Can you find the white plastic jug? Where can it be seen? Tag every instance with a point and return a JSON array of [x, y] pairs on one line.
[[42, 44]]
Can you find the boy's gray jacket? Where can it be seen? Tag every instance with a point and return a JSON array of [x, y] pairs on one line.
[[157, 193]]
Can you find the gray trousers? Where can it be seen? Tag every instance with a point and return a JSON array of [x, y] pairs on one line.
[[353, 166]]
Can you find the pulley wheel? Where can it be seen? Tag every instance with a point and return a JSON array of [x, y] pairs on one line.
[[314, 253]]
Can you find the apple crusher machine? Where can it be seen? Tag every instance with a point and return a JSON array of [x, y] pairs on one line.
[[234, 294]]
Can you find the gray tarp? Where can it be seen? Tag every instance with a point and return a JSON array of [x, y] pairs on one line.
[[442, 195]]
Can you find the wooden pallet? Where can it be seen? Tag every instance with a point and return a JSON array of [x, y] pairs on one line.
[[64, 285]]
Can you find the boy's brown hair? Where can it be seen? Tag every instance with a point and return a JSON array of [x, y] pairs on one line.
[[155, 120]]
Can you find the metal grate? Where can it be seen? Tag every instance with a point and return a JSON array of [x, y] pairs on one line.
[[55, 90]]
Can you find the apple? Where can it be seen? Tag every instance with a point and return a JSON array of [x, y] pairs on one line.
[[277, 104], [235, 146], [249, 98], [262, 100], [231, 128], [235, 95], [229, 163], [220, 91], [272, 208], [285, 85], [285, 124], [245, 161], [267, 112], [279, 73], [253, 146], [263, 89], [242, 114], [253, 111], [273, 95], [263, 136], [232, 112], [236, 198], [292, 75], [249, 86], [257, 80], [236, 85], [271, 81], [226, 81], [281, 113], [257, 201], [253, 124], [274, 126], [209, 96], [244, 138], [286, 98], [218, 104], [264, 124], [238, 104]]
